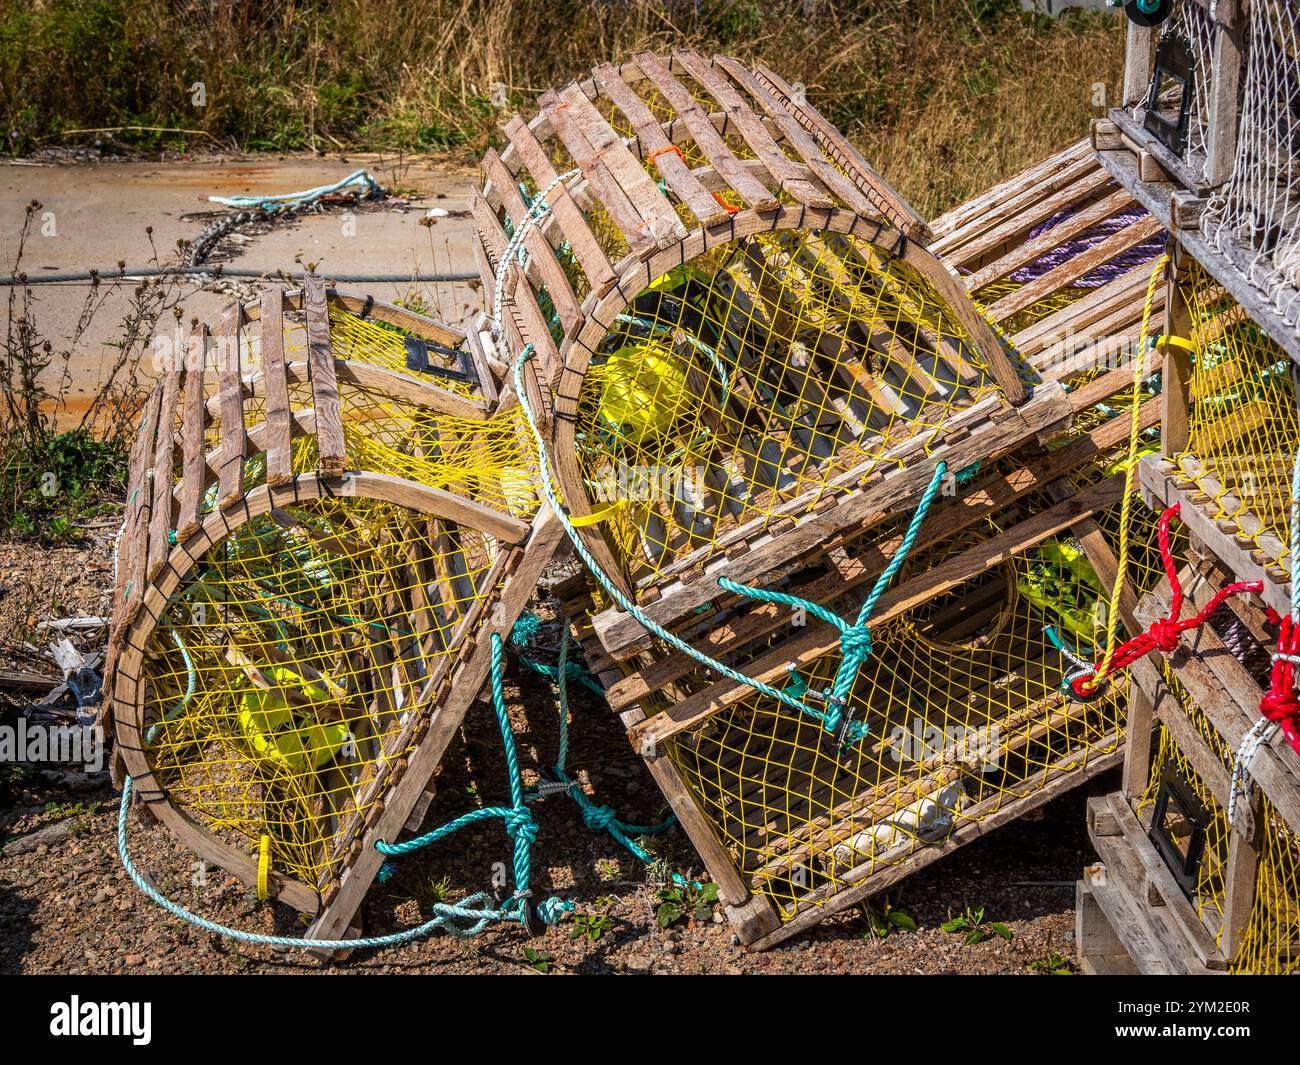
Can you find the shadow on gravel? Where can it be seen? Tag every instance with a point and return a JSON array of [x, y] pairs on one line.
[[15, 927]]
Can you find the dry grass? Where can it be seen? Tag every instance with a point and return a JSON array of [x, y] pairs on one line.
[[946, 96]]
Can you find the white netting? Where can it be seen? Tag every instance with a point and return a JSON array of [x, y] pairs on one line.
[[1255, 218]]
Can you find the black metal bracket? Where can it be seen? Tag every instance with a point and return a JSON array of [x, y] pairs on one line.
[[1174, 65], [417, 360], [1177, 796]]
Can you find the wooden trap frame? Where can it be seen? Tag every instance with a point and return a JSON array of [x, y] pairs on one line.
[[1204, 139], [330, 509], [760, 204], [1181, 886]]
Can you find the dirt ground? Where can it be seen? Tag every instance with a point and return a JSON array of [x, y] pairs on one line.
[[69, 907]]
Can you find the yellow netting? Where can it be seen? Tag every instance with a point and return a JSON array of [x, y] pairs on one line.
[[1269, 944], [966, 714], [1272, 941], [290, 669], [1208, 897], [1243, 427], [755, 374]]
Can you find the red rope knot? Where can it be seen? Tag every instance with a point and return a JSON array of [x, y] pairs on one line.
[[1281, 702], [1164, 633]]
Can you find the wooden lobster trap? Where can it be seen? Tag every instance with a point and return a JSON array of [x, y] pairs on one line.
[[1199, 848], [797, 343], [749, 351], [330, 508], [1199, 867], [1059, 259]]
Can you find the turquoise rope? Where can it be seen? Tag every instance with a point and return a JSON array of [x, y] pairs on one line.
[[626, 604], [473, 908], [855, 637], [518, 819], [289, 199], [520, 826], [595, 816]]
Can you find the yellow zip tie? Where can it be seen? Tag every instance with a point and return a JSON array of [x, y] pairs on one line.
[[1168, 340], [598, 514], [264, 868], [1121, 568]]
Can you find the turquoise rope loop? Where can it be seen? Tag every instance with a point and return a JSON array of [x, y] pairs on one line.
[[595, 816], [855, 636], [517, 818], [858, 644], [477, 908]]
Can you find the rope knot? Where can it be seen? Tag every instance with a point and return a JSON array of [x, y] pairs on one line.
[[598, 818], [520, 825], [1164, 633], [1280, 705], [855, 641]]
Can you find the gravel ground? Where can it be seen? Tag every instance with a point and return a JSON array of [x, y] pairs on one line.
[[69, 907]]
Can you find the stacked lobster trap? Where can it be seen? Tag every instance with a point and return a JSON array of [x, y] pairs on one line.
[[844, 540], [1200, 848], [330, 508]]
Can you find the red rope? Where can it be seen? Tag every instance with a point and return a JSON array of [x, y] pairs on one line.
[[1280, 703], [1164, 632]]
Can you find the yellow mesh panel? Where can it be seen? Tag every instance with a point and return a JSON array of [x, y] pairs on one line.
[[963, 700], [1243, 429], [757, 373]]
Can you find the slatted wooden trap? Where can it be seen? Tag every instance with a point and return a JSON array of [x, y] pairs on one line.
[[1199, 849], [1058, 257], [1179, 887], [739, 321], [715, 280], [330, 508]]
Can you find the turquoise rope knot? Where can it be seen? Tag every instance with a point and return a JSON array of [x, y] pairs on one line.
[[855, 637], [598, 818], [855, 641], [520, 825], [553, 910]]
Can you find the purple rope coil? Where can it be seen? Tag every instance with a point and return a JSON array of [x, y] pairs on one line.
[[1107, 271]]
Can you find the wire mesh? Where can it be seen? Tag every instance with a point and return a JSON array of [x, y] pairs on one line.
[[1257, 213]]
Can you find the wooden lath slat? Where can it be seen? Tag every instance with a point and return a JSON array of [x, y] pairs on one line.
[[542, 262], [230, 390], [896, 210], [164, 471], [641, 212], [586, 249], [1032, 250], [518, 291], [332, 456], [275, 384], [746, 185], [656, 146], [793, 177], [809, 150], [194, 422], [132, 549], [1075, 268]]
